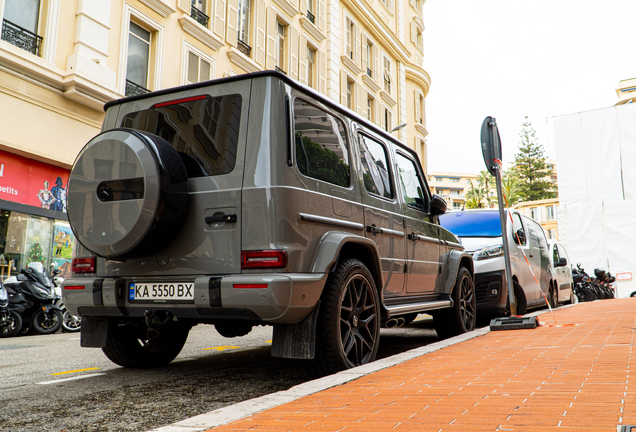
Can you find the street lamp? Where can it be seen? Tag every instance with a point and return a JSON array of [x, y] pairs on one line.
[[398, 127]]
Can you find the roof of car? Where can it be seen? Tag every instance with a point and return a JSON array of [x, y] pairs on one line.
[[275, 74]]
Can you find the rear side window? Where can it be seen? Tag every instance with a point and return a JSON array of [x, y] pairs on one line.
[[204, 131], [321, 145], [375, 167]]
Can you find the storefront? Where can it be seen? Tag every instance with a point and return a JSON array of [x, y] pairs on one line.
[[33, 221]]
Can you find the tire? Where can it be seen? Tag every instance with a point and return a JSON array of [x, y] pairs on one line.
[[13, 328], [462, 317], [137, 346], [520, 299], [633, 294], [47, 322], [409, 318], [348, 328], [232, 329], [554, 302], [71, 323], [152, 192]]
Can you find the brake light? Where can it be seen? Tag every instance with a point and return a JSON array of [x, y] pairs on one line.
[[74, 287], [178, 101], [266, 259], [83, 265]]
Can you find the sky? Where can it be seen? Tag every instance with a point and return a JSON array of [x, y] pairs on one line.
[[510, 59]]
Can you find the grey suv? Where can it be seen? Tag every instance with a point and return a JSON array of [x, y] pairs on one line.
[[253, 200]]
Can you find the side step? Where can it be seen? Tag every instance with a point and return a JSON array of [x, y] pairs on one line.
[[419, 307]]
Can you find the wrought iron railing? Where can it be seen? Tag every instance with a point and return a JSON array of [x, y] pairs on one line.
[[244, 48], [311, 17], [21, 37], [369, 73], [280, 70], [133, 89], [199, 16]]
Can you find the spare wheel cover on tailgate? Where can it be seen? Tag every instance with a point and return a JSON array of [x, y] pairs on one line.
[[127, 193]]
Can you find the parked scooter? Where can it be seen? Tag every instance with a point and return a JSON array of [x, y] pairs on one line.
[[10, 320], [32, 295], [70, 323]]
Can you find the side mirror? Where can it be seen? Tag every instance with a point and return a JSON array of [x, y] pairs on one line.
[[438, 205], [56, 272], [520, 236], [562, 262]]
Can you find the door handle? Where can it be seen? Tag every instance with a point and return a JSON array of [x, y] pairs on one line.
[[374, 229], [221, 218], [530, 255], [413, 237]]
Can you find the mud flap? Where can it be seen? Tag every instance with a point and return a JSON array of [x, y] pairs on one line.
[[94, 333], [297, 341]]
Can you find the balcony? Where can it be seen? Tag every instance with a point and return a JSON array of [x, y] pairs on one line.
[[199, 17], [311, 17], [369, 73], [280, 70], [133, 89], [21, 37], [243, 47]]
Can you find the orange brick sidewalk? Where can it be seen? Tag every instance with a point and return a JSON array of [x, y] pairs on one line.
[[570, 377]]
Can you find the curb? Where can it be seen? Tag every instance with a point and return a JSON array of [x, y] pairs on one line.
[[228, 414]]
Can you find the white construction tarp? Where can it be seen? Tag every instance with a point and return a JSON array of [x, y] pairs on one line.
[[596, 167]]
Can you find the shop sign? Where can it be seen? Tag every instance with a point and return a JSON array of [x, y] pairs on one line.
[[623, 276], [34, 183]]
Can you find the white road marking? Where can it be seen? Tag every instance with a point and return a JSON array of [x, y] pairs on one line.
[[71, 379]]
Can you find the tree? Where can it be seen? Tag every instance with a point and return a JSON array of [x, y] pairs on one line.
[[534, 175], [511, 186], [475, 197], [486, 182]]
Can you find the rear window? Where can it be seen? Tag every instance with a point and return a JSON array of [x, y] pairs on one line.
[[204, 131], [472, 224]]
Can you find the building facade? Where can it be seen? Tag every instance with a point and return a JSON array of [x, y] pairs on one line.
[[453, 187], [544, 212], [60, 61]]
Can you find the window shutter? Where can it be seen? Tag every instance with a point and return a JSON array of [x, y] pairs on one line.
[[363, 47], [322, 72], [232, 22], [293, 57], [414, 4], [271, 39], [416, 97], [343, 88], [204, 75], [193, 67], [348, 37], [303, 60], [185, 5], [261, 32], [413, 32], [304, 7], [321, 14], [358, 97], [377, 75], [358, 46], [219, 18]]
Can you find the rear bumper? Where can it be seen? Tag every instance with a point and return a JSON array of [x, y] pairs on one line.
[[485, 286], [287, 299]]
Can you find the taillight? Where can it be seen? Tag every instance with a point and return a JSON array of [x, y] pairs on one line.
[[83, 265], [266, 259], [74, 287]]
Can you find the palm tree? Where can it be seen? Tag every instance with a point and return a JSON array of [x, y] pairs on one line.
[[475, 196], [511, 186]]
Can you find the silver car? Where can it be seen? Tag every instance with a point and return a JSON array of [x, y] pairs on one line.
[[253, 200], [563, 271]]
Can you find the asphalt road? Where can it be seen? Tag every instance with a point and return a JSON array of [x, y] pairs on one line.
[[50, 384]]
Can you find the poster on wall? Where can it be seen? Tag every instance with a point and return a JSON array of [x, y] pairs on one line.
[[34, 183], [62, 249]]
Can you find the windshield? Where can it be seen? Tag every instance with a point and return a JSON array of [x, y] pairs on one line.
[[472, 224]]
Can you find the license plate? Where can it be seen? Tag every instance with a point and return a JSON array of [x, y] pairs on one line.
[[161, 291]]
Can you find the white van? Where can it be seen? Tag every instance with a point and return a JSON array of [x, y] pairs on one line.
[[480, 232]]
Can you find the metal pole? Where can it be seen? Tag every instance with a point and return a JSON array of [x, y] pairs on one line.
[[504, 231]]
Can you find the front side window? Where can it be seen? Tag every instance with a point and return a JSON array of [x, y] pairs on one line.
[[321, 145], [20, 24], [375, 167], [244, 21], [203, 131], [518, 226], [555, 254], [138, 59], [412, 188]]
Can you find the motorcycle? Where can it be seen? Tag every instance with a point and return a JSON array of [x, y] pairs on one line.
[[10, 320], [31, 295], [70, 323]]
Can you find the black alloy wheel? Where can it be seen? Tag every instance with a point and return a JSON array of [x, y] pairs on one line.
[[462, 317], [348, 328], [12, 325], [553, 298]]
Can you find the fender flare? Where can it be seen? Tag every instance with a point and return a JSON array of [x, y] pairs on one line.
[[331, 244], [456, 258]]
